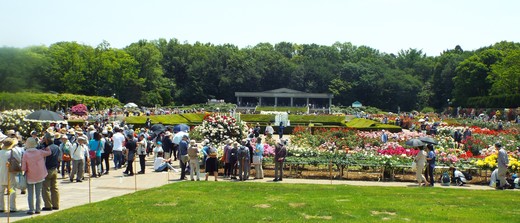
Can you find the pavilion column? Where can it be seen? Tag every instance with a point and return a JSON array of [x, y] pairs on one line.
[[291, 101], [238, 101], [307, 101], [260, 101], [275, 101], [330, 102]]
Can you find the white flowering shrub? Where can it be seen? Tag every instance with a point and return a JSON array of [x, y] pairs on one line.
[[219, 128], [14, 119]]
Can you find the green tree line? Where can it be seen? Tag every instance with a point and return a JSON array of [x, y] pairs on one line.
[[168, 72]]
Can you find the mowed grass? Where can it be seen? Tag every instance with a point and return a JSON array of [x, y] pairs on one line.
[[276, 202]]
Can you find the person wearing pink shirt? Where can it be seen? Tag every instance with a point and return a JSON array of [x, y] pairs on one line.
[[33, 163]]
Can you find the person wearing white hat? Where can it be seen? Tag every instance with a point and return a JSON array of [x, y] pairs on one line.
[[33, 163], [5, 154], [79, 159], [193, 153]]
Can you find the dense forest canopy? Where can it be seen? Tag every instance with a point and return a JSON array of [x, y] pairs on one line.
[[168, 72]]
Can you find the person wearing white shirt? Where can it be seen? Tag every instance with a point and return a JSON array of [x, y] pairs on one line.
[[502, 163], [160, 164], [118, 138], [79, 156]]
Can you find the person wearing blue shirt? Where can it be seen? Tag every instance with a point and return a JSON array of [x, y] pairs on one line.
[[95, 145], [280, 130], [431, 163], [183, 152], [257, 159], [384, 137]]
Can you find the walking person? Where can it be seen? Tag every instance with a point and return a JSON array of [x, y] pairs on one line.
[[131, 147], [65, 148], [33, 163], [430, 158], [420, 161], [502, 163], [5, 154], [141, 151], [193, 153], [51, 195], [79, 157], [257, 159], [280, 152], [280, 130], [183, 155]]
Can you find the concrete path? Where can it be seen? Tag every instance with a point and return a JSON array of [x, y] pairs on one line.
[[115, 184]]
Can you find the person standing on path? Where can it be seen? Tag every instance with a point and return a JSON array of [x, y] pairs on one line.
[[33, 163], [51, 195], [193, 153], [243, 161], [280, 130], [280, 152], [65, 148], [431, 163], [420, 161], [225, 158], [131, 147], [183, 156], [257, 159], [95, 147], [141, 151], [211, 162], [502, 162], [5, 154], [79, 156], [118, 138]]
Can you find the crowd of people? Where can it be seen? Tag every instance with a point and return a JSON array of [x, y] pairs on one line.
[[75, 153]]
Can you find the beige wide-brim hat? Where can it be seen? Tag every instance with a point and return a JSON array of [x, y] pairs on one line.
[[193, 142], [63, 131], [71, 131], [91, 128], [10, 132], [8, 144], [167, 133]]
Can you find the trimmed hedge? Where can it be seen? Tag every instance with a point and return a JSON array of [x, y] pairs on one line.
[[370, 125], [495, 101], [29, 100], [282, 109]]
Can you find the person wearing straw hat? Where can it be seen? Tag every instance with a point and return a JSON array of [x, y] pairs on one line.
[[33, 163], [193, 153], [7, 178]]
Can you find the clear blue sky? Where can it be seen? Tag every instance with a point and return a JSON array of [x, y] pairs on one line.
[[386, 25]]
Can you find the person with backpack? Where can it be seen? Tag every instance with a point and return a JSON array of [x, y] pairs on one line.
[[280, 152], [232, 154], [107, 150], [6, 154], [193, 154], [243, 161], [431, 163]]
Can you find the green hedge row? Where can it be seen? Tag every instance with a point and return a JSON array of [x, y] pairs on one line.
[[370, 125], [495, 101], [29, 100]]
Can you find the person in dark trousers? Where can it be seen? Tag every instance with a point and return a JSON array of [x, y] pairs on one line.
[[183, 151], [280, 152], [141, 151], [105, 156], [167, 145], [50, 192], [131, 147], [431, 163], [280, 130]]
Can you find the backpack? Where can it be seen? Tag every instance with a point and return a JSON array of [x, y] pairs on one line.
[[445, 179], [14, 165], [233, 155], [467, 176], [109, 146], [243, 153]]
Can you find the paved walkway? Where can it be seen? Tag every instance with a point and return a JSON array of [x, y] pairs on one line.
[[115, 184]]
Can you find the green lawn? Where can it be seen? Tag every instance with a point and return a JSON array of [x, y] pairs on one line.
[[273, 202], [367, 124]]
